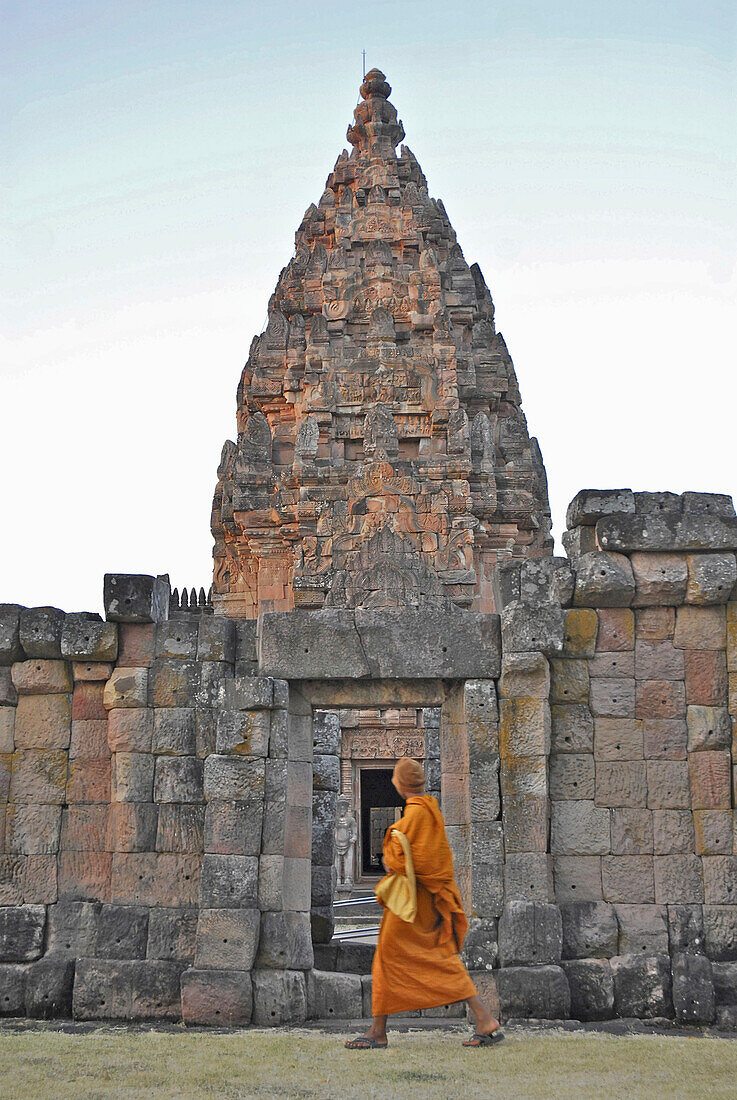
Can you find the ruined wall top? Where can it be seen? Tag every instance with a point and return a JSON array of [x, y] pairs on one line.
[[382, 455]]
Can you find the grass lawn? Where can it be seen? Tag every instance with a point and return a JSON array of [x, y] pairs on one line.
[[113, 1062]]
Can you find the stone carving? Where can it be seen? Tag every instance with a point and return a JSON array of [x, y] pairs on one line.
[[346, 835]]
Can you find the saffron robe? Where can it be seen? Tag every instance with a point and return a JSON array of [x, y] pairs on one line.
[[417, 965]]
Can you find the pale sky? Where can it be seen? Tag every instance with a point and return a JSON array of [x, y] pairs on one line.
[[159, 156]]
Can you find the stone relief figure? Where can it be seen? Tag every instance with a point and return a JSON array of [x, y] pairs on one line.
[[346, 834]]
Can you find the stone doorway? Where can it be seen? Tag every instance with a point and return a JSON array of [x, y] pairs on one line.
[[379, 806]]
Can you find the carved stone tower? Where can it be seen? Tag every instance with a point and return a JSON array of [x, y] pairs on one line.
[[383, 458]]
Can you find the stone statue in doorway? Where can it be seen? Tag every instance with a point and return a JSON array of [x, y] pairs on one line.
[[346, 834]]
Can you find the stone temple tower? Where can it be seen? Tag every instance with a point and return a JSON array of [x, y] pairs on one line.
[[382, 455]]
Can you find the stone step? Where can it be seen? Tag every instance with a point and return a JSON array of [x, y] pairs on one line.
[[344, 957]]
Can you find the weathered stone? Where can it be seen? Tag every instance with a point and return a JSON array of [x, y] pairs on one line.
[[589, 930], [72, 929], [7, 729], [43, 722], [713, 829], [571, 776], [530, 933], [279, 997], [613, 666], [604, 580], [685, 929], [591, 985], [171, 934], [612, 698], [667, 785], [87, 639], [658, 661], [155, 878], [127, 990], [233, 828], [720, 880], [216, 639], [628, 878], [48, 992], [10, 645], [234, 779], [579, 828], [8, 694], [326, 732], [481, 945], [30, 830], [12, 988], [524, 675], [178, 779], [707, 682], [217, 997], [577, 878], [700, 628], [579, 637], [130, 730], [632, 832], [672, 832], [122, 932], [132, 598], [324, 805], [643, 929], [127, 687], [620, 784], [642, 985], [655, 624], [131, 827], [616, 632], [322, 924], [720, 931], [660, 579], [41, 677], [711, 578], [693, 989], [710, 778], [174, 683], [132, 777], [618, 739], [174, 732], [333, 996], [180, 827], [664, 738], [85, 876], [89, 740], [572, 729], [177, 639], [532, 629], [229, 881], [589, 505], [569, 681], [708, 728], [678, 879], [524, 727], [533, 991], [708, 504], [38, 776], [227, 939], [724, 979], [250, 693], [660, 699], [667, 532], [578, 541], [21, 932], [40, 630]]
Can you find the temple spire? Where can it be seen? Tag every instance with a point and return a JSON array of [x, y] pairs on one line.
[[376, 129]]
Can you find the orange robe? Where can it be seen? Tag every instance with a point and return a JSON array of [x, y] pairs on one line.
[[417, 965]]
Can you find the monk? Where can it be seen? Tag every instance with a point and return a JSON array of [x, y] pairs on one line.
[[418, 965]]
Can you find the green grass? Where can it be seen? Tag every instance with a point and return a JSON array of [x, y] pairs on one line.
[[114, 1062]]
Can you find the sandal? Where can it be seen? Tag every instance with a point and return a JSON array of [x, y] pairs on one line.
[[478, 1040], [365, 1042]]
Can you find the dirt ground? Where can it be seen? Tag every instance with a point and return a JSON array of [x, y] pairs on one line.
[[39, 1062]]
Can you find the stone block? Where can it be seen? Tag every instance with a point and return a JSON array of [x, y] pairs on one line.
[[618, 739], [89, 740], [643, 929], [628, 879], [127, 687], [484, 790], [250, 693], [106, 989], [180, 827], [613, 666], [660, 699], [134, 598], [572, 729], [487, 885], [642, 985], [569, 680], [40, 629], [234, 779], [481, 945], [525, 821], [713, 829], [130, 729], [216, 639], [43, 722], [85, 876], [579, 637], [724, 980], [708, 728], [40, 879], [571, 776], [216, 997], [664, 738], [178, 779], [590, 505], [12, 987], [604, 580], [174, 683], [132, 777], [532, 629], [177, 639], [672, 832], [720, 931], [579, 828], [668, 785], [279, 997], [48, 992], [86, 672], [7, 729], [122, 932], [87, 702], [326, 732], [354, 958], [243, 733], [72, 929], [707, 681], [540, 992], [655, 624], [616, 633], [686, 929], [658, 661], [30, 830], [711, 578], [693, 989], [710, 774], [174, 732], [38, 776], [131, 827], [155, 878], [621, 784], [333, 996], [708, 504], [322, 924], [322, 887], [667, 532], [271, 880], [229, 882], [678, 879], [660, 579], [21, 932], [324, 806], [591, 985], [233, 828], [577, 878], [524, 727], [524, 675], [530, 933], [589, 930], [10, 645], [42, 677], [632, 832], [227, 939], [136, 644], [206, 732], [326, 773], [8, 694], [700, 628], [528, 876], [578, 541], [612, 698], [171, 934], [720, 880], [86, 639]]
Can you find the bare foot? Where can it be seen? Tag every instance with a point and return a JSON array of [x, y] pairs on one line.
[[367, 1042]]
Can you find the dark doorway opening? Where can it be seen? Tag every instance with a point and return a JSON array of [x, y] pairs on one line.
[[379, 805]]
